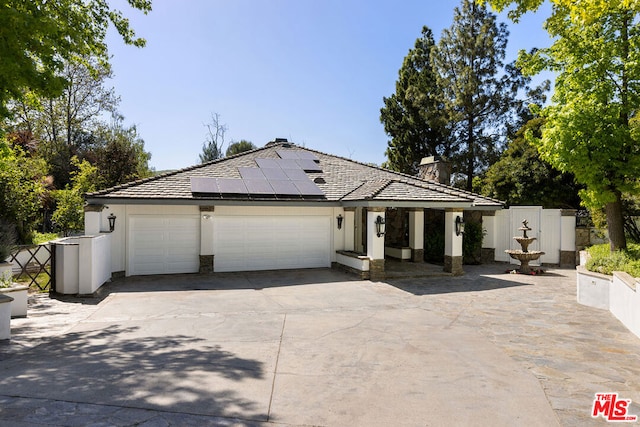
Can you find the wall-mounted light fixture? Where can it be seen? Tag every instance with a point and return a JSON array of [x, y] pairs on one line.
[[459, 225], [380, 225], [112, 221], [339, 218], [206, 216]]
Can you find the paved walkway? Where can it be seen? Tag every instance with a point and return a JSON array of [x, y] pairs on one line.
[[317, 348]]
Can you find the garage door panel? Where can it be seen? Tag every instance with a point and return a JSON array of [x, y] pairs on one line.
[[164, 245], [276, 242]]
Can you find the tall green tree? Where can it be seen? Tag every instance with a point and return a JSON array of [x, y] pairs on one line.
[[22, 186], [238, 147], [120, 156], [479, 92], [61, 124], [591, 128], [414, 116], [69, 213], [521, 177], [37, 37]]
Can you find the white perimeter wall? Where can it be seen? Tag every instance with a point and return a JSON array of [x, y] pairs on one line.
[[554, 232], [624, 301], [83, 264]]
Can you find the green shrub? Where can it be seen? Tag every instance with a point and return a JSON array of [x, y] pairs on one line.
[[472, 242], [605, 262], [8, 237], [43, 237]]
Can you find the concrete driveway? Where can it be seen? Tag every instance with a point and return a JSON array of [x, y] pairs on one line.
[[316, 347]]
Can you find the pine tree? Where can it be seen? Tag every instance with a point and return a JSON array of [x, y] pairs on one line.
[[413, 116], [478, 90]]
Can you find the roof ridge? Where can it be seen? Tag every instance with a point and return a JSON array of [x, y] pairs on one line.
[[354, 189], [463, 191], [382, 187], [447, 190]]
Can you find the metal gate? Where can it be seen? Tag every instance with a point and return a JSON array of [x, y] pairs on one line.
[[35, 263]]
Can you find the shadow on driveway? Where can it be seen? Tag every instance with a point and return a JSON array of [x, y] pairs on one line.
[[121, 366], [256, 280], [476, 279]]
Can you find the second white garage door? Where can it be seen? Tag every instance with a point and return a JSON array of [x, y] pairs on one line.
[[271, 243]]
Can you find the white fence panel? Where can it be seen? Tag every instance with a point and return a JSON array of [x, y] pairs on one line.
[[502, 236], [546, 227], [551, 235]]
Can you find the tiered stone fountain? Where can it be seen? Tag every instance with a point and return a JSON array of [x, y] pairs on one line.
[[524, 255]]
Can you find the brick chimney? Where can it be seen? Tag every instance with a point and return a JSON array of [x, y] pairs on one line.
[[433, 168]]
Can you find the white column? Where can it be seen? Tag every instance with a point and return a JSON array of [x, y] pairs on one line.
[[568, 233], [452, 242], [375, 244], [416, 229], [92, 222], [206, 233], [349, 225]]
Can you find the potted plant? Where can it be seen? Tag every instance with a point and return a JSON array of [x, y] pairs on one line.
[[7, 286]]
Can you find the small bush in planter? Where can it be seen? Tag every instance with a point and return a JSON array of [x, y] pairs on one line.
[[603, 261], [8, 238]]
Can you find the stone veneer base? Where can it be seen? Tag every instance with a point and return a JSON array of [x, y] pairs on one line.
[[376, 270], [453, 265], [206, 264]]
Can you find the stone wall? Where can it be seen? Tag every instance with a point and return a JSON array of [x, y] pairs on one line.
[[396, 228]]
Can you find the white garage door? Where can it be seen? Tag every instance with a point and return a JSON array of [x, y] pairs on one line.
[[271, 243], [164, 244]]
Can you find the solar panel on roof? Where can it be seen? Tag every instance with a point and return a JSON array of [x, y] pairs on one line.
[[307, 155], [296, 154], [288, 154], [288, 163], [251, 173], [275, 174], [268, 163], [285, 188], [309, 165], [296, 174], [308, 188], [231, 186], [204, 185], [258, 187]]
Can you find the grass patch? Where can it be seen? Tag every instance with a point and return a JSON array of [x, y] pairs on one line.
[[605, 262], [43, 237], [39, 285]]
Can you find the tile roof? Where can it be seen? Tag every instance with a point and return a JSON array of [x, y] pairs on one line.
[[342, 180]]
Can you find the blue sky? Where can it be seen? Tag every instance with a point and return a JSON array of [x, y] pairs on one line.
[[312, 71]]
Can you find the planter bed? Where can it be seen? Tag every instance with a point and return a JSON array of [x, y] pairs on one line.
[[19, 293], [617, 293]]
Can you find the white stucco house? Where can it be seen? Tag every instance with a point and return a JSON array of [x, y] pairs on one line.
[[281, 206]]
